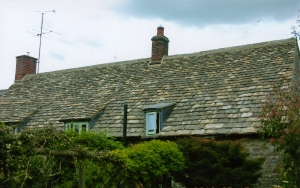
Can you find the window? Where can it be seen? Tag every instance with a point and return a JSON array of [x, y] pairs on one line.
[[77, 126], [156, 116], [152, 123]]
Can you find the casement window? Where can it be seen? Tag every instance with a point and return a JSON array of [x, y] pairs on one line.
[[77, 126], [81, 125], [156, 116], [152, 123]]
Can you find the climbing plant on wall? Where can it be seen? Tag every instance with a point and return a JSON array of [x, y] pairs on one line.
[[280, 122]]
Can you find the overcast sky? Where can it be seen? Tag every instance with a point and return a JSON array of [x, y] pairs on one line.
[[103, 31]]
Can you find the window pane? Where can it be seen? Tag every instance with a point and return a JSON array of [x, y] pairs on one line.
[[77, 128], [151, 122], [83, 128], [157, 123]]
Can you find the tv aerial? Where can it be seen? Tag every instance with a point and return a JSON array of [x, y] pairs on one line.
[[41, 33]]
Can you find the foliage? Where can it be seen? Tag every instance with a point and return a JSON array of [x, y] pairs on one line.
[[40, 158], [295, 31], [47, 158], [92, 141], [98, 174], [281, 123], [212, 163], [148, 163]]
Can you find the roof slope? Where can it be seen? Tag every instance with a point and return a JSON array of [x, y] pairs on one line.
[[215, 92], [2, 91]]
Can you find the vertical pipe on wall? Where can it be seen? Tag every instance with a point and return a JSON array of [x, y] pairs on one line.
[[125, 124], [82, 167]]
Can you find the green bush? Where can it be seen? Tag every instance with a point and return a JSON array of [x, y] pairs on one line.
[[148, 164], [212, 163]]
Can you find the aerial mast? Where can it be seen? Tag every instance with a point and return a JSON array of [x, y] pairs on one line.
[[41, 34], [38, 63]]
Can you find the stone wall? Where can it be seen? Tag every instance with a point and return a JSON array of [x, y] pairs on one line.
[[270, 172]]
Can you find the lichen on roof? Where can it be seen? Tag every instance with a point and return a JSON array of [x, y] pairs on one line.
[[216, 92]]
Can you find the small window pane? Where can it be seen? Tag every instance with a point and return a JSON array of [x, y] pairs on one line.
[[83, 128], [157, 123], [77, 126], [151, 122]]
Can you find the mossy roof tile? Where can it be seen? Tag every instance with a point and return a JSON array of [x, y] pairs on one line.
[[209, 89]]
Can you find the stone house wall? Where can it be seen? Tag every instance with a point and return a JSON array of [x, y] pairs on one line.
[[270, 172]]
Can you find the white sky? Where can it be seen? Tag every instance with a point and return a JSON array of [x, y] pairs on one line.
[[103, 31]]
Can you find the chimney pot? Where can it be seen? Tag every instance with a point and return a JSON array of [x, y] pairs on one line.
[[160, 30]]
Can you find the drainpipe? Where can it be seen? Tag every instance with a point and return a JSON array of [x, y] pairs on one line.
[[125, 124]]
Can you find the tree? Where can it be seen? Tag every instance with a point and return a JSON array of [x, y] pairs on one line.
[[280, 122], [48, 158], [212, 163], [295, 31]]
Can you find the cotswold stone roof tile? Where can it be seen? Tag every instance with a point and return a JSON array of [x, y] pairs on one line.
[[215, 92]]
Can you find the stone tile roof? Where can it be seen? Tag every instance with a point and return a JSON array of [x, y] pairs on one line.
[[2, 91], [215, 92]]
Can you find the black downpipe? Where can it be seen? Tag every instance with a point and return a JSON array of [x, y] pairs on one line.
[[125, 124]]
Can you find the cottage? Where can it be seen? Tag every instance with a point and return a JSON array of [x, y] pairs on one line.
[[216, 93]]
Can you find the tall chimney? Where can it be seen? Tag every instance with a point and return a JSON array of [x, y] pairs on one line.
[[25, 65], [160, 45]]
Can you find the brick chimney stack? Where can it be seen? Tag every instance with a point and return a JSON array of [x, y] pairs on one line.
[[160, 45], [25, 65]]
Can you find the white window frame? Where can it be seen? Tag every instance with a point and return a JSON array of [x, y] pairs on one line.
[[152, 131], [77, 126]]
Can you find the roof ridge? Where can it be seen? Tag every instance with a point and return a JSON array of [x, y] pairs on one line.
[[94, 66], [241, 47]]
